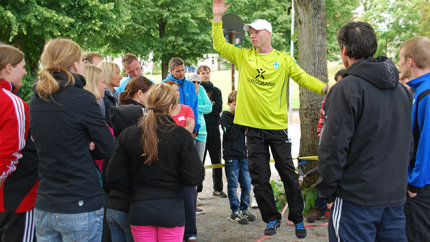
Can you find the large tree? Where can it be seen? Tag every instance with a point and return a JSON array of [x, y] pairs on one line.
[[167, 28], [311, 56], [395, 22], [29, 24]]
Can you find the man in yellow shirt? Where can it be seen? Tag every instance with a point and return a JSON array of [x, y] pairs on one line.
[[262, 107]]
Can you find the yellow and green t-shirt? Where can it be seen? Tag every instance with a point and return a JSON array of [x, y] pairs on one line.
[[261, 95]]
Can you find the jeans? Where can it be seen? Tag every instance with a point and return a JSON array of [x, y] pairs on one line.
[[237, 172], [119, 226], [190, 196], [68, 227]]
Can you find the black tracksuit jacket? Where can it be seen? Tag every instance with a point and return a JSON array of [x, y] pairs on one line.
[[365, 147]]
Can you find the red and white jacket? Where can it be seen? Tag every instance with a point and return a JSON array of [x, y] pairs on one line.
[[14, 124]]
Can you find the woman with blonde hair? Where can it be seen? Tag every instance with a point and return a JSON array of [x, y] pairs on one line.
[[153, 161], [18, 160], [65, 119], [95, 83], [113, 77]]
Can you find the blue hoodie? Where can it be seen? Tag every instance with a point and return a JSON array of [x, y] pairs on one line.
[[419, 175], [187, 96]]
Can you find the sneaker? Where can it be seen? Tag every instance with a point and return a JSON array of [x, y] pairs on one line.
[[248, 216], [254, 203], [199, 211], [192, 238], [272, 226], [315, 215], [238, 218], [300, 230], [220, 194]]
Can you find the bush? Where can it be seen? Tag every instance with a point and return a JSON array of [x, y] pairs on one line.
[[309, 196], [26, 91]]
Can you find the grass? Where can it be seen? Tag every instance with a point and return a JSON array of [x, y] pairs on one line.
[[222, 80]]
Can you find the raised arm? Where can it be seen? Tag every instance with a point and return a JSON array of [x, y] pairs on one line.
[[218, 9]]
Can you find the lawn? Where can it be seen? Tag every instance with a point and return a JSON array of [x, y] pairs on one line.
[[222, 80]]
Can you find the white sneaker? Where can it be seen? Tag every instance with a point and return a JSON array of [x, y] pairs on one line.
[[254, 203]]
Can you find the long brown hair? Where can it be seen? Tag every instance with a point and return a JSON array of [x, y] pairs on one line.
[[136, 83], [58, 56], [159, 101]]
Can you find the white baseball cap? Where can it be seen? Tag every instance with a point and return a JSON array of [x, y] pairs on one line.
[[259, 24]]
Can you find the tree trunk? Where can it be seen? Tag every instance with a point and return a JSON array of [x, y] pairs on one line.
[[164, 69], [312, 57]]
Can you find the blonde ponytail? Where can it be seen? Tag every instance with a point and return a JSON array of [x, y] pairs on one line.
[[58, 55]]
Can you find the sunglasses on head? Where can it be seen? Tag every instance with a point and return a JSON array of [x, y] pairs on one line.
[[197, 82]]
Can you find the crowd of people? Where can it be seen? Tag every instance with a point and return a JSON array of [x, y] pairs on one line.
[[97, 158]]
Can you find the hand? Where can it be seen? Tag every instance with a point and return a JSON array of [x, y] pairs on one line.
[[412, 194], [218, 9], [329, 205], [92, 146]]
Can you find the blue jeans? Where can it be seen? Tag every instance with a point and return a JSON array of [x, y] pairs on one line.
[[236, 172], [68, 227], [119, 227]]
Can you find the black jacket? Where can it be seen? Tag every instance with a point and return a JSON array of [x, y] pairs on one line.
[[365, 146], [110, 101], [233, 142], [214, 94], [62, 129], [121, 117], [178, 165], [125, 115]]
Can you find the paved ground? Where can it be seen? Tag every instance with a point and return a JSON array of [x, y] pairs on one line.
[[214, 225]]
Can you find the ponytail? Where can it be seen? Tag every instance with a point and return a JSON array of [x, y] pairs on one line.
[[159, 101], [58, 55]]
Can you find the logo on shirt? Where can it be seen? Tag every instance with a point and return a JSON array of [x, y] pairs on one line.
[[260, 73], [276, 65], [182, 118]]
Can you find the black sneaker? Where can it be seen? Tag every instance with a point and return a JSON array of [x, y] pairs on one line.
[[249, 216], [300, 230], [237, 218], [272, 226], [220, 194]]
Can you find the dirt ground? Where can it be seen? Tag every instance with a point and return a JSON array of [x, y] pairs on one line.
[[213, 224]]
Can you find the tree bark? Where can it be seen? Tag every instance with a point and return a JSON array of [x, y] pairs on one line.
[[164, 69], [312, 57]]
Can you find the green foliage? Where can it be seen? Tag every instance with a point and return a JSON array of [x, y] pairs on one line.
[[309, 196], [26, 91], [279, 194], [394, 22], [28, 24], [167, 29], [339, 13]]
